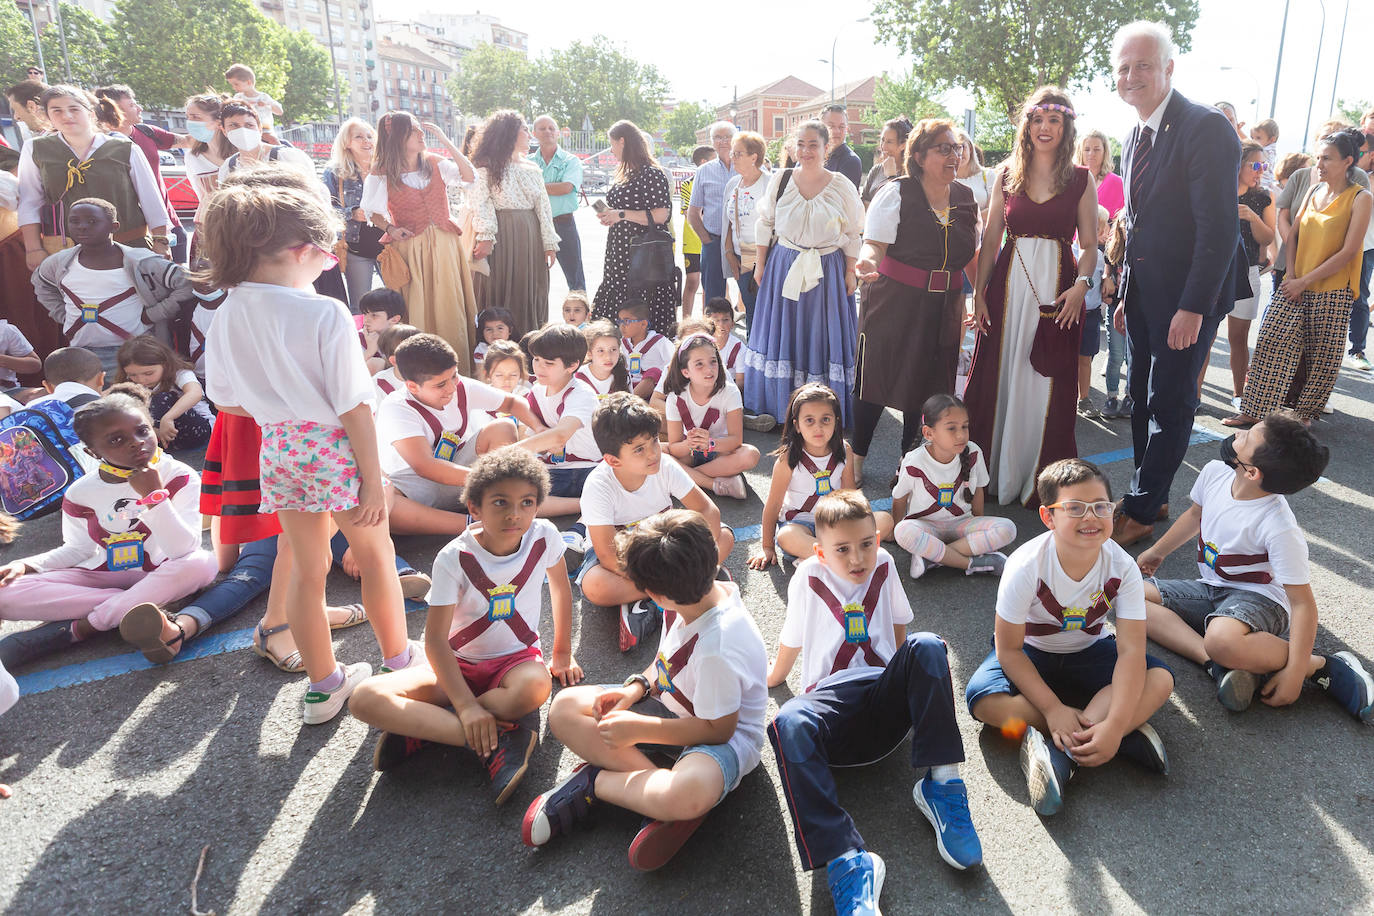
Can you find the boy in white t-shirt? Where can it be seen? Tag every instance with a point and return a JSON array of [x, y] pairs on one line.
[[1250, 617], [865, 686], [562, 407], [486, 677], [388, 380], [244, 82], [1081, 694], [703, 693], [434, 429], [208, 300], [721, 314], [634, 481], [646, 352], [381, 309], [16, 355]]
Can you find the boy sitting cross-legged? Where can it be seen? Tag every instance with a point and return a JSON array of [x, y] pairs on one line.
[[1081, 694], [1253, 577], [563, 407], [866, 684], [486, 677], [647, 352], [635, 480], [704, 693]]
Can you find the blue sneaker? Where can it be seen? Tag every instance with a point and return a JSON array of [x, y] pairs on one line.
[[1047, 769], [1347, 682], [558, 810], [945, 805], [856, 880], [1235, 688], [1146, 748]]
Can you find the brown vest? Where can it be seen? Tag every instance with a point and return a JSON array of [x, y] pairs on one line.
[[418, 209], [104, 174]]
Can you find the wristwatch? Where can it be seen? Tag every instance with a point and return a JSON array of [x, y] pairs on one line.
[[622, 214], [641, 680], [1087, 280]]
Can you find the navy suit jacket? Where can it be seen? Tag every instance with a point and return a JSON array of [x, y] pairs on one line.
[[1183, 249]]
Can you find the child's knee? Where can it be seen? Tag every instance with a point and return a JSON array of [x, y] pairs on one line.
[[1152, 594], [748, 456], [794, 731], [530, 682], [1159, 679], [1222, 641], [992, 708], [569, 708], [726, 541], [368, 700]]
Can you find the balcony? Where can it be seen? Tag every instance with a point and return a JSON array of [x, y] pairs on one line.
[[371, 85], [367, 24], [371, 64], [368, 44]]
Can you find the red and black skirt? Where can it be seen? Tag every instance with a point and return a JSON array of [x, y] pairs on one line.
[[229, 483]]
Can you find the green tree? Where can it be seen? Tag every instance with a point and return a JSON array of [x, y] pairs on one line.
[[489, 78], [993, 132], [308, 95], [1353, 109], [168, 49], [598, 81], [1002, 51], [682, 123], [903, 94], [16, 45], [88, 48]]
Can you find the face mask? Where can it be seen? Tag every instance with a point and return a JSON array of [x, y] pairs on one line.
[[200, 131], [1228, 452], [245, 139]]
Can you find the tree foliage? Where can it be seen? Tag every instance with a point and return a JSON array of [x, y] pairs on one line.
[[16, 45], [309, 91], [489, 78], [904, 94], [682, 123], [1353, 109], [1003, 51], [89, 50]]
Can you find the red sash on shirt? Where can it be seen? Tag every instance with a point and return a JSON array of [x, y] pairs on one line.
[[1089, 621], [1208, 555], [386, 386], [841, 614], [664, 668], [198, 348], [100, 535], [433, 422], [810, 465], [548, 457], [688, 424], [100, 309], [644, 346], [500, 599], [966, 461]]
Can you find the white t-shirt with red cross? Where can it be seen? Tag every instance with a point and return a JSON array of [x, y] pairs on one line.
[[1062, 614], [449, 432], [714, 666], [574, 400], [730, 354], [650, 356], [496, 600], [387, 382], [711, 415], [91, 313], [811, 479], [605, 501], [940, 491], [840, 626], [602, 387], [1247, 539]]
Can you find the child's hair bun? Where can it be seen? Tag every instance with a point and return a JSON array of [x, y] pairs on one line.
[[133, 390]]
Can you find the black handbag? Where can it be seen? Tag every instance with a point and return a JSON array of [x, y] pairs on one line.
[[651, 257]]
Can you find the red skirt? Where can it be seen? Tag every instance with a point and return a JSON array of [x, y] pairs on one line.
[[229, 483]]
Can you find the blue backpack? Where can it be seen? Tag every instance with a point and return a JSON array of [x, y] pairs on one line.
[[38, 459]]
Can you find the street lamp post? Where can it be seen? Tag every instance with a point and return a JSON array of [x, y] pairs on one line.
[[1321, 38], [1278, 66], [333, 64], [833, 45], [1345, 17]]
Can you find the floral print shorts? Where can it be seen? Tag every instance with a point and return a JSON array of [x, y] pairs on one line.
[[307, 467]]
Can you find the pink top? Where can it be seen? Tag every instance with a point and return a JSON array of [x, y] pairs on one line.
[[1111, 194]]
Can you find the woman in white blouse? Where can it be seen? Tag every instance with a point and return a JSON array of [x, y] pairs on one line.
[[808, 234], [211, 148], [406, 196], [749, 156], [513, 221]]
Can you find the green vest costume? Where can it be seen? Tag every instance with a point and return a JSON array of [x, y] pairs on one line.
[[104, 174]]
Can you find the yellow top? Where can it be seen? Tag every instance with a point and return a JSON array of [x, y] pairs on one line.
[[690, 243], [1321, 233]]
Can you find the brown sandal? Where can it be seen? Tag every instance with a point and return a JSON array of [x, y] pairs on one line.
[[356, 614], [292, 664], [1240, 421], [142, 628]]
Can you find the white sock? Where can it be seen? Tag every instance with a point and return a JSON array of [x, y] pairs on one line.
[[946, 772], [849, 853]]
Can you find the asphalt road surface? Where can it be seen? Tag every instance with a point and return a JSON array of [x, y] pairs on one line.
[[122, 772]]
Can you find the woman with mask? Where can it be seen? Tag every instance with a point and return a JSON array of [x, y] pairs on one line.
[[240, 125]]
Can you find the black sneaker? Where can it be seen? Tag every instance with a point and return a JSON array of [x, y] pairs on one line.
[[24, 646], [1145, 747], [638, 620], [558, 810], [1127, 406], [1347, 682], [507, 765], [1235, 688], [393, 748], [1111, 408], [1047, 769]]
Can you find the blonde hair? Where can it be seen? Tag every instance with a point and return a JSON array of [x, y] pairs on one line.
[[1108, 163], [1023, 150], [244, 224], [342, 161]]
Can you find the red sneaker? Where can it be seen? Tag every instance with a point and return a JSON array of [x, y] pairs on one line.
[[659, 841]]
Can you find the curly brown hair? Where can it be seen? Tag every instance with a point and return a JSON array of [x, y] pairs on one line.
[[496, 144], [1023, 150]]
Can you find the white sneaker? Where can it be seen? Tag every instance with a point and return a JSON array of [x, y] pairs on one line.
[[417, 659], [732, 487], [918, 566], [320, 707]]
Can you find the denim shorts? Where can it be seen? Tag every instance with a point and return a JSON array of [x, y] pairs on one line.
[[723, 754], [568, 481], [1075, 677], [806, 523], [1197, 603], [1092, 332], [589, 560]]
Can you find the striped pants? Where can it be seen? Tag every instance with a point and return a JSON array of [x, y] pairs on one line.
[[1311, 329]]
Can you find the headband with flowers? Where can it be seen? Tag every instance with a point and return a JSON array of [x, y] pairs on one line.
[[1049, 106]]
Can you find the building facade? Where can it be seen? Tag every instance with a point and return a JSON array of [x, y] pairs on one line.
[[856, 97], [347, 31], [473, 29], [416, 82], [765, 108]]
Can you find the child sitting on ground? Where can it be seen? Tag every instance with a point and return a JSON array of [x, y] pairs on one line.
[[433, 430], [605, 369], [72, 375], [1081, 694], [388, 379], [705, 414], [646, 353], [493, 324], [16, 356], [634, 481], [178, 406], [576, 308], [866, 685], [101, 292], [130, 537], [1254, 587], [691, 326], [722, 315], [504, 368], [939, 497], [486, 677], [381, 309], [703, 693], [563, 407]]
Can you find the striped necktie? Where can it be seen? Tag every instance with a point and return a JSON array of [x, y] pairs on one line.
[[1140, 166]]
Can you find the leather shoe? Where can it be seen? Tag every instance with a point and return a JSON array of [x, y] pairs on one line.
[[1126, 530], [1163, 513]]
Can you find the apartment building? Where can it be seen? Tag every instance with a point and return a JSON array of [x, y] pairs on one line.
[[347, 30]]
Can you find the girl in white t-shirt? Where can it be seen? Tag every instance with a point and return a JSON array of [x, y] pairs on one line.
[[290, 360], [605, 369], [178, 406], [939, 497], [505, 368], [706, 418]]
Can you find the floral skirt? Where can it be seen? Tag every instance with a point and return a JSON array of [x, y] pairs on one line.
[[307, 467]]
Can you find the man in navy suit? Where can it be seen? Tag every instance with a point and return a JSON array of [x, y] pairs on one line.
[[1180, 163]]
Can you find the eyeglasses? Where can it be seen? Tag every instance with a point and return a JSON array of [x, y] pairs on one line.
[[624, 321], [1077, 508], [1259, 166], [947, 149], [331, 260]]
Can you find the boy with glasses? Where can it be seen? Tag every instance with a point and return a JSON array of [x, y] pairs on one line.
[[1250, 617], [1081, 695], [647, 353]]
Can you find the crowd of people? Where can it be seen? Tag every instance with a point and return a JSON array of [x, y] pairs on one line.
[[352, 357]]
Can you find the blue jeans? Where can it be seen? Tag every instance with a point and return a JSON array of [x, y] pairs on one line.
[[1117, 356], [1359, 310], [749, 294], [855, 719], [570, 251], [712, 273]]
